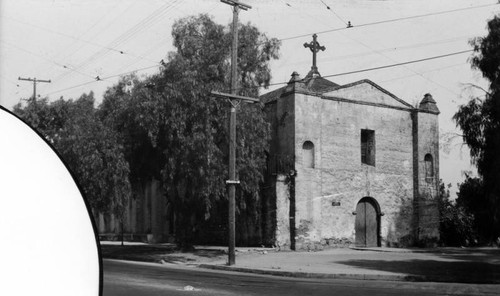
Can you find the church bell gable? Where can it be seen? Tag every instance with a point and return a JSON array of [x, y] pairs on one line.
[[367, 92]]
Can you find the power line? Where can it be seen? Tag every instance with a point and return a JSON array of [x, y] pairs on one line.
[[144, 54], [9, 80], [151, 18], [63, 34], [103, 17], [380, 53], [129, 72], [386, 56], [43, 57], [387, 49], [334, 13], [390, 21], [143, 24], [428, 71], [280, 83], [100, 79], [384, 67], [402, 63]]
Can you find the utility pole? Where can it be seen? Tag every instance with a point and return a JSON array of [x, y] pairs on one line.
[[235, 101], [34, 84]]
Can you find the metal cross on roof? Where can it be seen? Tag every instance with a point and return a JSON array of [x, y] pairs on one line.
[[314, 47]]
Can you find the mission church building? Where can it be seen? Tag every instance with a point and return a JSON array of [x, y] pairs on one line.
[[350, 164]]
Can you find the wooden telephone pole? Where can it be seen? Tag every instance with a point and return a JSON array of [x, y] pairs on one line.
[[34, 80], [235, 100]]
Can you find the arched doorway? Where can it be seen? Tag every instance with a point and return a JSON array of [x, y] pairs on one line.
[[367, 223]]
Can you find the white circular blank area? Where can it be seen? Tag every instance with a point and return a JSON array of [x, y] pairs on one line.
[[47, 245]]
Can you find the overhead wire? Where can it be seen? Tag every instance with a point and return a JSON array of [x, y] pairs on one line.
[[62, 34], [17, 85], [388, 49], [42, 57], [391, 59], [402, 63], [382, 54], [285, 82], [382, 67], [380, 22], [388, 21], [146, 53], [9, 80], [103, 17], [127, 35], [338, 16], [145, 23], [103, 78], [151, 49], [427, 71]]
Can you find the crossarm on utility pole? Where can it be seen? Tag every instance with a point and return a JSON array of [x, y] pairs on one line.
[[34, 80], [237, 3], [234, 97]]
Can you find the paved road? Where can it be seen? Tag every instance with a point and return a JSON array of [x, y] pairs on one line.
[[133, 278]]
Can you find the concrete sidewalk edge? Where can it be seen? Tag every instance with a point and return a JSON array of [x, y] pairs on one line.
[[299, 274]]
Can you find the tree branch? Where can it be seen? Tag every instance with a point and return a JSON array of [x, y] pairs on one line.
[[471, 85]]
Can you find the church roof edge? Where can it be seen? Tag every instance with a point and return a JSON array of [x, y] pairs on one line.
[[318, 86], [377, 87]]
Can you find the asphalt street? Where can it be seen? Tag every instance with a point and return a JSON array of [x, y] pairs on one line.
[[137, 278]]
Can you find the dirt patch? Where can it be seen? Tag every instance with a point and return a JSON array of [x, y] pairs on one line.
[[160, 254]]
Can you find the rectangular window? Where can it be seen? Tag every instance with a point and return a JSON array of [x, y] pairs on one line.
[[368, 147]]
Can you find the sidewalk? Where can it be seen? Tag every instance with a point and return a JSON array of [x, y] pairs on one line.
[[469, 265]]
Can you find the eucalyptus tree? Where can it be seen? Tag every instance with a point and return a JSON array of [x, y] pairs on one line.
[[89, 148], [479, 120], [174, 131]]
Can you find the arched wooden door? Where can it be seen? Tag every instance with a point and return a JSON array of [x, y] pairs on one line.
[[367, 223]]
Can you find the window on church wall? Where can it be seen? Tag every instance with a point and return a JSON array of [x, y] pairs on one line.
[[429, 168], [308, 154], [368, 147]]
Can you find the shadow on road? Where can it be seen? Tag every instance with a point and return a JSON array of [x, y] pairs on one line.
[[457, 265]]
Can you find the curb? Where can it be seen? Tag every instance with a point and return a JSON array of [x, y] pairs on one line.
[[345, 276], [382, 250], [353, 276]]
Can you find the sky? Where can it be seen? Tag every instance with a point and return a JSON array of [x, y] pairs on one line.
[[71, 42]]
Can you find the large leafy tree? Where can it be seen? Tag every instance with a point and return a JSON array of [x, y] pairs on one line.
[[131, 109], [87, 146], [479, 120], [456, 224], [185, 131]]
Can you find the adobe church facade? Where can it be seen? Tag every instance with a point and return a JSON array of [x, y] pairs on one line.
[[351, 164]]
